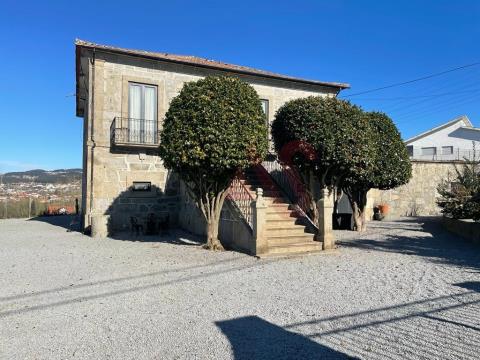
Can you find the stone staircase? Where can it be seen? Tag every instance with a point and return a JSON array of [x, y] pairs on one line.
[[286, 231]]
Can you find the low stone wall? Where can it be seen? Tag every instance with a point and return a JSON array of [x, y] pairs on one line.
[[419, 196], [466, 228], [234, 233], [190, 217]]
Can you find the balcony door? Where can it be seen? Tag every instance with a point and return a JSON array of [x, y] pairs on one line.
[[142, 113]]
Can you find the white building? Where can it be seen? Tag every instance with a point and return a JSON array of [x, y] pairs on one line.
[[454, 140]]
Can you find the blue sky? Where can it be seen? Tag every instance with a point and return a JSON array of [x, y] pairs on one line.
[[368, 44]]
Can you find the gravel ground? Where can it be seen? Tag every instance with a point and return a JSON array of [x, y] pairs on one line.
[[402, 290]]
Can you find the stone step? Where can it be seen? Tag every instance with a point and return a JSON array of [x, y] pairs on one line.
[[281, 220], [297, 248], [290, 239], [277, 207], [285, 230]]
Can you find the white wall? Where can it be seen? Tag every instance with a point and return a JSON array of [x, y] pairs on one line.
[[457, 135]]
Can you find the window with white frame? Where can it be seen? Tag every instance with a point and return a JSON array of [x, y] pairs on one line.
[[264, 103], [142, 113], [265, 108]]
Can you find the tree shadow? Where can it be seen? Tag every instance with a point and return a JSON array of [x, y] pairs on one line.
[[470, 285], [436, 243], [420, 324], [252, 337], [68, 222], [174, 236]]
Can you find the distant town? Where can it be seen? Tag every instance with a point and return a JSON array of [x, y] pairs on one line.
[[29, 193]]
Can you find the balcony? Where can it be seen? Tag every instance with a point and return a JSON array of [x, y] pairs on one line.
[[129, 132]]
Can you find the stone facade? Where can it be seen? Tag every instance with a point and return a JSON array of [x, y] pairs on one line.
[[103, 78], [419, 196]]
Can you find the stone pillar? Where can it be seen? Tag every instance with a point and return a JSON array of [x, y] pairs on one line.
[[259, 214], [100, 226], [325, 213]]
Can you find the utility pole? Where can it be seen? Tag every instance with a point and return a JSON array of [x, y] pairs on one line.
[[29, 206]]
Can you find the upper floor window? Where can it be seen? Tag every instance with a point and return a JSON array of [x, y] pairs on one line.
[[447, 150], [429, 151], [142, 112], [265, 107]]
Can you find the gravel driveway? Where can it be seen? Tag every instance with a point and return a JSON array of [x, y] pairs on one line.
[[402, 290]]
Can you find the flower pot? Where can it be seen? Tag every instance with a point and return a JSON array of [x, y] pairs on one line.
[[384, 208]]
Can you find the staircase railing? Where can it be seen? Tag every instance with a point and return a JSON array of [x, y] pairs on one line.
[[290, 182], [242, 198]]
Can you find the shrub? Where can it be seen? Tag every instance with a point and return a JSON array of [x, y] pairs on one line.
[[213, 128], [336, 130], [460, 199], [389, 167]]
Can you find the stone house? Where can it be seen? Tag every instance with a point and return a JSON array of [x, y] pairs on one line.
[[122, 96]]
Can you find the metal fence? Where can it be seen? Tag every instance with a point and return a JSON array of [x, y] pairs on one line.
[[134, 131], [442, 154]]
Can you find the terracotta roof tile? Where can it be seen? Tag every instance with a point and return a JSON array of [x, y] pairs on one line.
[[197, 61]]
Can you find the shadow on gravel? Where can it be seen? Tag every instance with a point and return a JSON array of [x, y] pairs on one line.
[[68, 222], [175, 236], [91, 289], [470, 285], [416, 327], [138, 277], [403, 237], [254, 338]]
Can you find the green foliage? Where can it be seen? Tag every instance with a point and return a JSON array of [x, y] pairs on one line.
[[390, 164], [213, 128], [12, 209], [460, 199], [354, 150], [333, 128]]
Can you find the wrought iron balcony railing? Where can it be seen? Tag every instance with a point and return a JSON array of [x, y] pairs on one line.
[[134, 132]]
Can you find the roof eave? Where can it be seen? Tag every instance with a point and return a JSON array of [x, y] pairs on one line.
[[83, 44], [441, 127]]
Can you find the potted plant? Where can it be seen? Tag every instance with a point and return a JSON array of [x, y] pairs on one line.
[[384, 208]]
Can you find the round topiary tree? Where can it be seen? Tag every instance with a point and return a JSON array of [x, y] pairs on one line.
[[390, 165], [213, 128], [335, 129]]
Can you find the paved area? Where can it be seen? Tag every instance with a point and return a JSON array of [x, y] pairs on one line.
[[402, 290]]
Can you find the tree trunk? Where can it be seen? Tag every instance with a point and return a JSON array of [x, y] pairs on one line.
[[314, 208], [213, 243], [357, 217], [313, 199], [358, 202], [212, 209]]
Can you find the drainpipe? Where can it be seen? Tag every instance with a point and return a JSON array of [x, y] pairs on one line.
[[92, 137]]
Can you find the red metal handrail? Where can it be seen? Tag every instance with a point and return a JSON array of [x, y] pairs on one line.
[[290, 182], [242, 197]]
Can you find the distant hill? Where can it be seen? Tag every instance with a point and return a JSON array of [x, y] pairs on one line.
[[60, 176]]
